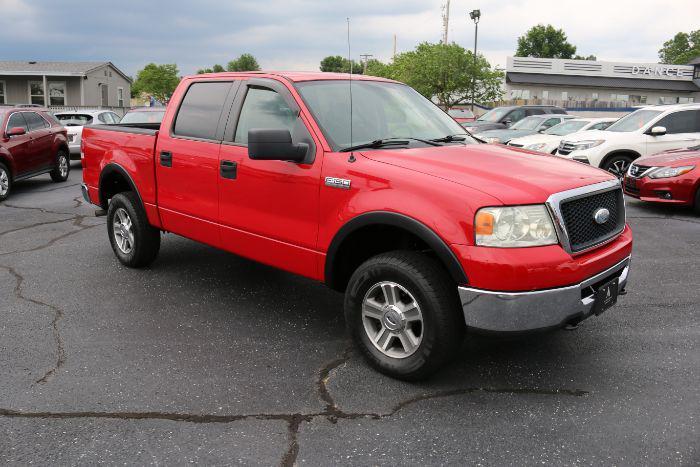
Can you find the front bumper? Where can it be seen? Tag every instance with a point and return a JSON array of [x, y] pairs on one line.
[[540, 309], [674, 190]]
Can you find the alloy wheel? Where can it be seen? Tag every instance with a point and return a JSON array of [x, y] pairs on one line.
[[392, 319], [123, 231], [4, 182], [619, 168], [63, 166]]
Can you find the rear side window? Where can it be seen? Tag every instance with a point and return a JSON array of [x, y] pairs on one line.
[[519, 114], [200, 110], [35, 121], [263, 108], [687, 121], [17, 121]]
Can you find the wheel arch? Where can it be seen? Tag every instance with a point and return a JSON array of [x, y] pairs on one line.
[[115, 179], [6, 159], [630, 152], [340, 264]]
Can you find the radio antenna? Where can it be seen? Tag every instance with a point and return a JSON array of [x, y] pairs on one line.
[[350, 78]]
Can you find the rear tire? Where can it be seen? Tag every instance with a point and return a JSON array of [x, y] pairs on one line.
[[5, 182], [403, 312], [62, 169], [618, 164], [135, 242]]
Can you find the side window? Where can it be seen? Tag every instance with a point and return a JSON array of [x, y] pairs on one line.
[[17, 121], [687, 121], [35, 121], [515, 115], [104, 118], [200, 110], [549, 123], [263, 108], [115, 117], [601, 126]]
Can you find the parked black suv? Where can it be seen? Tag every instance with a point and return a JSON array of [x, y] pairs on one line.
[[503, 117]]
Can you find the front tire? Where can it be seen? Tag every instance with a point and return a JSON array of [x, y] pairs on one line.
[[62, 169], [618, 164], [403, 312], [135, 242], [5, 182]]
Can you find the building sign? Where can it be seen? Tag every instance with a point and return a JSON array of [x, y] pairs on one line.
[[657, 71]]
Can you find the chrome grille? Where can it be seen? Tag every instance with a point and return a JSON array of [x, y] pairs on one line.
[[565, 148], [638, 171]]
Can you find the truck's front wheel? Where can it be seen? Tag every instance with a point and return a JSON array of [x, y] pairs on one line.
[[403, 312], [134, 241]]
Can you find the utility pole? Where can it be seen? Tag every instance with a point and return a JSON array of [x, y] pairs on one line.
[[445, 20], [365, 58], [393, 57], [475, 15]]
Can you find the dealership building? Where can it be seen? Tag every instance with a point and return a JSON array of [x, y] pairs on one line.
[[585, 84]]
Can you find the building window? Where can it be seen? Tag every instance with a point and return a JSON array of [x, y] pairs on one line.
[[36, 93], [696, 72], [564, 96], [545, 94], [685, 100], [594, 96], [120, 97], [520, 94], [3, 99], [619, 97], [57, 92]]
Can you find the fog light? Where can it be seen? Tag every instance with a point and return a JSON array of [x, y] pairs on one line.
[[664, 194]]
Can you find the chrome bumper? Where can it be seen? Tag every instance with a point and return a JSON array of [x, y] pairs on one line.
[[539, 309]]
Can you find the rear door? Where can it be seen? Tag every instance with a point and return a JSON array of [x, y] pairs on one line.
[[41, 148], [682, 131], [19, 145], [187, 162]]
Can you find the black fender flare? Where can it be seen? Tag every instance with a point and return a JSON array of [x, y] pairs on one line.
[[417, 228], [109, 169]]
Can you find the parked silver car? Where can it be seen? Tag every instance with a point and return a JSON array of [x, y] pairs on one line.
[[74, 121]]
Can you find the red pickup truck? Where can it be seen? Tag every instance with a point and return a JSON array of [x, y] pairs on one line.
[[367, 186]]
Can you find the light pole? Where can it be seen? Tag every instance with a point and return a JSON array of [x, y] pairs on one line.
[[475, 15]]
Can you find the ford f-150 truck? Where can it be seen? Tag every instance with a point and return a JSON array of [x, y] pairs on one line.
[[367, 186]]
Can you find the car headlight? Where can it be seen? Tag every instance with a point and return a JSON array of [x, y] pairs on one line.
[[581, 145], [668, 172], [536, 147], [515, 226]]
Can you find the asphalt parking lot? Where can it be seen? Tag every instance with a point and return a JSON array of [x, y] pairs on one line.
[[208, 357]]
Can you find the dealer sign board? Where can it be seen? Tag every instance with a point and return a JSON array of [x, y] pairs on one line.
[[657, 70]]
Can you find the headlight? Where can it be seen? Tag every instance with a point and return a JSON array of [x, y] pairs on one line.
[[581, 145], [668, 172], [516, 226], [536, 147]]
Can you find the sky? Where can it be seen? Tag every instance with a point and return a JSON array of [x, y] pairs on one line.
[[297, 34]]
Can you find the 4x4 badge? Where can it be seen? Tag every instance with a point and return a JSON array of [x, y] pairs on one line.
[[341, 183]]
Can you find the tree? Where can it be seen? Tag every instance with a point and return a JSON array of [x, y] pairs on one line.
[[157, 80], [590, 57], [448, 73], [338, 64], [544, 42], [245, 62], [378, 68], [681, 49]]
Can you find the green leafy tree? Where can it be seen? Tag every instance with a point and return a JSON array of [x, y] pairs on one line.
[[246, 62], [681, 49], [378, 68], [448, 73], [544, 42], [338, 64], [158, 81], [589, 57]]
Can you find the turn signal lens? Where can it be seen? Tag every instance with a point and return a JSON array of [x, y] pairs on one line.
[[514, 226], [483, 223]]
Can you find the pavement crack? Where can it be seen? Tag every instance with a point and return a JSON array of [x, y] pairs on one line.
[[32, 208], [332, 411], [58, 315], [77, 222]]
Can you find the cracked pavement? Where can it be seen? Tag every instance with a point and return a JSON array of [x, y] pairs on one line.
[[207, 357]]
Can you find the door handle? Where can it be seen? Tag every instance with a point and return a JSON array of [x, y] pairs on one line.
[[166, 158], [228, 169]]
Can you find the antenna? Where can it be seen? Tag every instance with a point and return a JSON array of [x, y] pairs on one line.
[[350, 80]]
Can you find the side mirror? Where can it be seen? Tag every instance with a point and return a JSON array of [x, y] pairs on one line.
[[507, 122], [274, 145], [16, 131], [658, 131]]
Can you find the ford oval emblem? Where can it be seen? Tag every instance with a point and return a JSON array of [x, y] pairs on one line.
[[601, 216]]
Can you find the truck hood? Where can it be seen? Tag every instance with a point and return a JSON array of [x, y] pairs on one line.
[[514, 176], [672, 158]]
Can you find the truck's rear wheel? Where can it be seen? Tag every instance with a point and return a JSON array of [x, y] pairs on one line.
[[5, 182], [403, 312], [134, 241]]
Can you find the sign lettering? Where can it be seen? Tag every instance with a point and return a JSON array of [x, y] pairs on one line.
[[657, 71]]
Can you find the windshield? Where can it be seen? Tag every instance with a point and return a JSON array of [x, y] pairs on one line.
[[634, 121], [74, 119], [380, 110], [494, 115], [566, 128], [143, 117], [527, 123]]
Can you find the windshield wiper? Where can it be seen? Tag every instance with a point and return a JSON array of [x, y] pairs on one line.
[[450, 138], [378, 143]]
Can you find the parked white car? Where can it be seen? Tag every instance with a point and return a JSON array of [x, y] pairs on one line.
[[645, 131], [548, 141], [76, 119]]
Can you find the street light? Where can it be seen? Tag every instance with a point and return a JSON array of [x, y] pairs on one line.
[[475, 15]]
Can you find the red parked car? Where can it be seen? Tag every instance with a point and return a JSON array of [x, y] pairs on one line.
[[33, 142], [428, 233], [669, 177]]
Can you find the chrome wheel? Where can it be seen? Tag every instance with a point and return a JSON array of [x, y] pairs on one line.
[[4, 182], [619, 168], [392, 319], [123, 231], [63, 166]]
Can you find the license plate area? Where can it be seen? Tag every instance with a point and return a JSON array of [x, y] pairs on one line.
[[606, 296]]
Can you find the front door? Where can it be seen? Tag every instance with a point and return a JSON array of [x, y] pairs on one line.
[[41, 155], [187, 163], [19, 145], [269, 211], [682, 131]]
